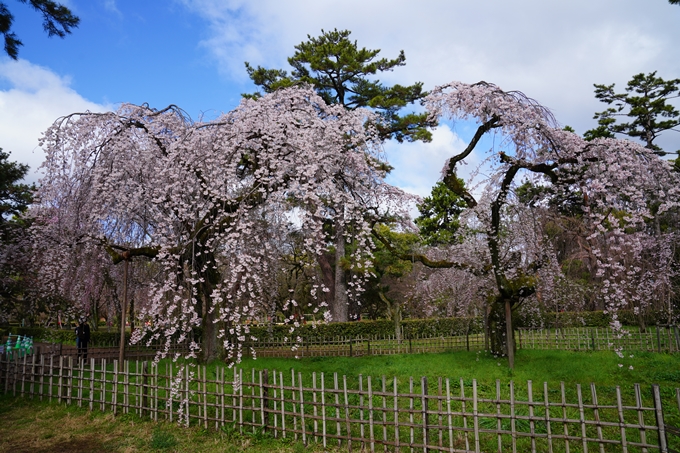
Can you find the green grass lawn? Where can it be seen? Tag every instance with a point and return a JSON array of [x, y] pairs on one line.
[[31, 426], [601, 367]]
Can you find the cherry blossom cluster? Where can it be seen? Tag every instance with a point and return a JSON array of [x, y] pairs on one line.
[[209, 202], [625, 189]]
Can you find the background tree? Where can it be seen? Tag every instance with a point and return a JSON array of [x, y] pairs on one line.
[[649, 105], [341, 73], [390, 286], [14, 195], [439, 219], [57, 21], [15, 276], [645, 103]]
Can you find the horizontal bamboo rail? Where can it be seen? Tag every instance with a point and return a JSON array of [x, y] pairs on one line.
[[107, 351], [362, 412], [654, 339]]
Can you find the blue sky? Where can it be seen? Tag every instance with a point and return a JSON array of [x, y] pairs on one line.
[[191, 53]]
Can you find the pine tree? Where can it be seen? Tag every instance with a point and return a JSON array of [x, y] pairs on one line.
[[339, 71], [645, 103], [57, 21], [342, 73]]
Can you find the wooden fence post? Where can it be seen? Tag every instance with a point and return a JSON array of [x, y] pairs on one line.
[[6, 357], [264, 385], [145, 388], [302, 410], [92, 372], [424, 403], [348, 427], [475, 415], [60, 383], [658, 412]]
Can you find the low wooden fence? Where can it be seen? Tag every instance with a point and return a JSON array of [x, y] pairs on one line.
[[363, 412], [105, 351], [654, 339], [361, 346]]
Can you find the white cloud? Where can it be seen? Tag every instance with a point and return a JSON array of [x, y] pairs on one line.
[[418, 166], [31, 99], [112, 7], [552, 51]]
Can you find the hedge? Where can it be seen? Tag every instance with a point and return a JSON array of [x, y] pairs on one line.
[[585, 319], [380, 328], [411, 328], [451, 326]]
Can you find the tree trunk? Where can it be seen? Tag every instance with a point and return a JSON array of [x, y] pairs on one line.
[[509, 334], [394, 312], [209, 345], [209, 336], [94, 314], [641, 321], [131, 315], [397, 321], [339, 309], [123, 308], [327, 276], [500, 329]]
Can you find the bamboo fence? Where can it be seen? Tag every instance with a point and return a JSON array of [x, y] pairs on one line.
[[360, 346], [654, 339], [363, 413], [107, 350]]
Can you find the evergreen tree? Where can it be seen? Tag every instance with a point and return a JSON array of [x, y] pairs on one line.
[[438, 220], [14, 196], [14, 257], [645, 103], [339, 71], [57, 21]]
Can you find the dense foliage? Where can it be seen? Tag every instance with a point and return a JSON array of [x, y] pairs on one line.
[[211, 204]]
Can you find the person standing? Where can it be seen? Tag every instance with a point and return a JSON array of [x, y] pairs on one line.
[[82, 338]]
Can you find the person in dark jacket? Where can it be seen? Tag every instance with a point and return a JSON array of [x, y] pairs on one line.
[[82, 338]]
